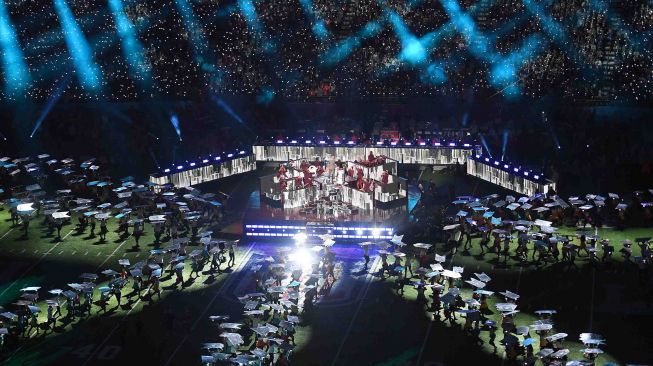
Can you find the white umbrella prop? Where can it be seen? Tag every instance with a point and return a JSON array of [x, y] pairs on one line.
[[235, 326], [506, 307], [102, 216], [476, 283], [423, 246], [556, 337], [539, 327], [450, 274], [30, 289], [234, 339], [25, 207], [510, 295], [437, 267], [213, 346]]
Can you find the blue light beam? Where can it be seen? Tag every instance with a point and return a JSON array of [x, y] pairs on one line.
[[504, 145], [16, 72], [196, 32], [132, 49], [54, 98], [343, 49], [248, 11], [412, 50], [485, 145], [175, 124], [222, 104], [88, 73], [318, 26]]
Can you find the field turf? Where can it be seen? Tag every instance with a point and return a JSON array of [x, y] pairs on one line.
[[369, 325]]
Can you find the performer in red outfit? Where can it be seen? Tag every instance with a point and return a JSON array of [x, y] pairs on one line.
[[384, 177], [370, 157]]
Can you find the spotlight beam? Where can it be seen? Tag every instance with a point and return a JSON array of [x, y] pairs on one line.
[[195, 30], [100, 44], [88, 73], [248, 11], [54, 98], [16, 72], [132, 49], [318, 28], [175, 124]]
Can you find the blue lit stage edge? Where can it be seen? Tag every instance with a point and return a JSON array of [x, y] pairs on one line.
[[345, 230], [503, 174], [514, 178], [224, 165], [205, 170], [438, 153]]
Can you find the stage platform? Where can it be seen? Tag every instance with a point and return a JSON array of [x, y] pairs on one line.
[[263, 221]]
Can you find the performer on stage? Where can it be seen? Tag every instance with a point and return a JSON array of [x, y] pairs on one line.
[[384, 177]]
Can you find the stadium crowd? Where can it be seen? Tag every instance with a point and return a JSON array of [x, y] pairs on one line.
[[588, 50]]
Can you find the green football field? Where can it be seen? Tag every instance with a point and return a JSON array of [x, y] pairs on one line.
[[370, 325]]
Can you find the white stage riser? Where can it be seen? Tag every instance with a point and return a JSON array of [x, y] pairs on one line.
[[514, 182], [403, 155]]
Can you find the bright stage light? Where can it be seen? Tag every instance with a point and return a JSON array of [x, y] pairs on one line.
[[302, 257], [300, 238], [376, 233]]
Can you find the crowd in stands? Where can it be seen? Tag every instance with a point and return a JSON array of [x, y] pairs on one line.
[[585, 50]]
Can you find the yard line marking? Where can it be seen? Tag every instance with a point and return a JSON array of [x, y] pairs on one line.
[[98, 254], [369, 276], [60, 253], [86, 253], [73, 253], [351, 323], [106, 339], [428, 330], [33, 265], [226, 283], [36, 251], [7, 233], [596, 233], [110, 255], [592, 298], [23, 251], [70, 232]]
